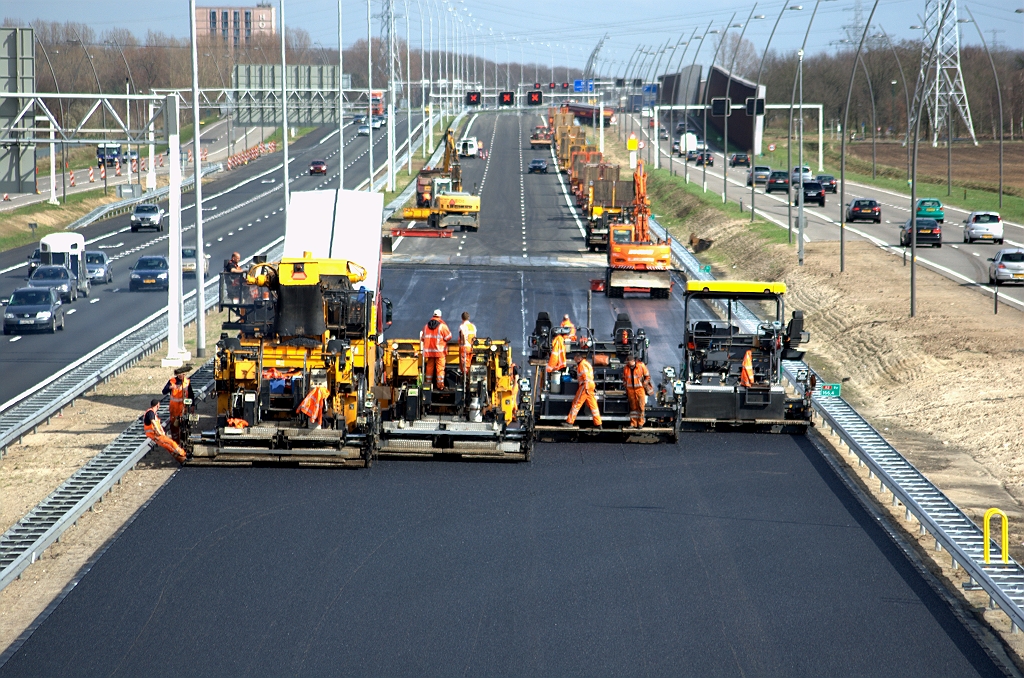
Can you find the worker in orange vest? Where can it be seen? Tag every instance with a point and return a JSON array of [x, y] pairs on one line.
[[435, 337], [637, 380], [467, 335], [313, 405], [178, 388], [584, 393], [572, 328], [155, 432], [556, 361], [747, 372]]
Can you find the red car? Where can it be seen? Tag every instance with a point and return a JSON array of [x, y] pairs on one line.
[[318, 167]]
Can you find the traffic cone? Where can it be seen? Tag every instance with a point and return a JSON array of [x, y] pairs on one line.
[[202, 154], [103, 173], [161, 161], [190, 155], [72, 178], [92, 178], [117, 170], [135, 165], [7, 198]]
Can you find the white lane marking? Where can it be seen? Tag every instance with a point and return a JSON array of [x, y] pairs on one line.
[[220, 239], [565, 193], [17, 338], [72, 310], [397, 242], [93, 301], [110, 247], [974, 253]]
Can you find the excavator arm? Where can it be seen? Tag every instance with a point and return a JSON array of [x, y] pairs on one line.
[[641, 204], [452, 167]]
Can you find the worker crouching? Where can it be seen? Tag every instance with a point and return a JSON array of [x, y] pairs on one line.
[[584, 393], [637, 380], [155, 432]]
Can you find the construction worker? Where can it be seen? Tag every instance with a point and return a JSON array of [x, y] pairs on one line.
[[178, 388], [637, 380], [572, 328], [467, 335], [556, 361], [585, 392], [234, 264], [313, 405], [155, 432], [435, 337], [747, 372]]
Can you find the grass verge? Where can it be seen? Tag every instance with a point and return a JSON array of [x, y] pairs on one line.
[[14, 229]]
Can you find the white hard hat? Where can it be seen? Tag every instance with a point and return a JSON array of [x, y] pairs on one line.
[[437, 312]]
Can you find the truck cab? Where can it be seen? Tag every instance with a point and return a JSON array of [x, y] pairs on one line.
[[68, 250]]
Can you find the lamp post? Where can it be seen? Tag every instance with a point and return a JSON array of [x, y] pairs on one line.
[[341, 104], [906, 94], [675, 97], [99, 90], [369, 89], [53, 160], [728, 108], [999, 93], [626, 71], [175, 253], [284, 118], [686, 116], [651, 76], [757, 92], [127, 104], [704, 113]]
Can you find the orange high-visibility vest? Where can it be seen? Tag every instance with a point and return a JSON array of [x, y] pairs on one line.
[[572, 329], [585, 374], [435, 341], [154, 428], [313, 404], [637, 377], [556, 361], [747, 374], [467, 334], [178, 394]]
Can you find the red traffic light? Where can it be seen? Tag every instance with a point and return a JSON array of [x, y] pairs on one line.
[[565, 85], [536, 85], [552, 85], [507, 99], [535, 98]]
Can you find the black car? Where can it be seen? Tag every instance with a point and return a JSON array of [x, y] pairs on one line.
[[58, 278], [778, 181], [149, 273], [864, 208], [828, 181], [692, 154], [705, 159], [33, 308], [928, 233], [737, 159], [813, 192], [537, 165], [317, 167]]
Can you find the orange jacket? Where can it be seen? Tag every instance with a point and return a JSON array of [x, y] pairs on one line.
[[556, 361], [435, 339], [313, 404], [153, 428], [178, 392], [585, 375], [572, 329], [747, 373], [637, 377]]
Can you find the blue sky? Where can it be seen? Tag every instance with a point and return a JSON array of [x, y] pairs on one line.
[[534, 29]]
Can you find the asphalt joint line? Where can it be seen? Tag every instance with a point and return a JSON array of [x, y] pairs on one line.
[[522, 187]]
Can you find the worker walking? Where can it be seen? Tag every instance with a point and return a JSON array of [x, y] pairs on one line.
[[585, 392], [637, 380], [178, 388], [155, 432], [435, 337], [467, 335], [572, 328], [556, 361]]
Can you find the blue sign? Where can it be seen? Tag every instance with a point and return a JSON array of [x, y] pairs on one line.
[[577, 85], [582, 85]]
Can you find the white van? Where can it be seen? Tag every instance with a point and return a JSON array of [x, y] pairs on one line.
[[467, 147], [68, 250]]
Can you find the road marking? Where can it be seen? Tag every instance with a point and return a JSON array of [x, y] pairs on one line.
[[975, 254], [93, 301], [17, 338], [397, 242], [231, 232], [70, 311], [220, 239], [110, 247]]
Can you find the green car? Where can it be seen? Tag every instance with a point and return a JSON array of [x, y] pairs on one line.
[[930, 208]]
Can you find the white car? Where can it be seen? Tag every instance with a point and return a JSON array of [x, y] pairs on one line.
[[794, 176], [985, 226], [364, 131], [1006, 266]]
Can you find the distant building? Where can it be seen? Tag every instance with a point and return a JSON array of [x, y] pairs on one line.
[[235, 25]]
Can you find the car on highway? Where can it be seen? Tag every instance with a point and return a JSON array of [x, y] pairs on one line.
[[33, 261], [59, 278], [317, 167], [147, 216], [794, 175], [692, 155], [864, 209], [829, 182], [539, 165], [359, 119], [984, 226], [813, 192], [99, 267], [363, 131], [675, 147], [777, 181], [663, 134], [930, 208], [377, 121], [1006, 266], [738, 159], [705, 159], [928, 233], [759, 174], [33, 309], [188, 262], [149, 272]]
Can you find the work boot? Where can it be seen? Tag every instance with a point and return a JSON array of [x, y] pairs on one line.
[[566, 424]]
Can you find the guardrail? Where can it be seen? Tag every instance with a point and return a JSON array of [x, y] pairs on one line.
[[952, 529], [122, 206]]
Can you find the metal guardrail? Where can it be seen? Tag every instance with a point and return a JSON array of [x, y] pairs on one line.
[[23, 543], [952, 529], [122, 206]]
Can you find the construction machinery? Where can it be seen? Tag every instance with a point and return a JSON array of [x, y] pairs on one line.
[[484, 413], [441, 202], [733, 345], [295, 366], [553, 392], [540, 137], [638, 262], [609, 201]]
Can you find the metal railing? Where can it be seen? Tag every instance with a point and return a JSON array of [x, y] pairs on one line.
[[952, 529]]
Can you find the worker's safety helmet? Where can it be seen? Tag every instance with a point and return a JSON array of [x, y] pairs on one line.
[[437, 313], [565, 317]]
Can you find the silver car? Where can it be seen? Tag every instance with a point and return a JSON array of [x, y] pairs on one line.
[[188, 262], [363, 131], [1006, 266], [794, 175], [99, 267], [759, 174], [985, 226], [147, 216], [57, 278]]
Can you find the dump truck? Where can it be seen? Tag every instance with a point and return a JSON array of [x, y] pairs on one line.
[[554, 392], [441, 203], [638, 262], [734, 342], [484, 413], [295, 365], [540, 137], [609, 202]]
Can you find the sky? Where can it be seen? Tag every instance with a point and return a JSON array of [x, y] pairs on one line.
[[531, 30]]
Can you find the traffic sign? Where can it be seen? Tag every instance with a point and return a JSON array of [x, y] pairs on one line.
[[706, 268], [565, 85], [536, 85], [631, 142], [830, 390], [755, 106], [640, 144], [473, 98], [721, 107], [771, 148], [535, 98], [552, 85], [583, 86], [507, 99]]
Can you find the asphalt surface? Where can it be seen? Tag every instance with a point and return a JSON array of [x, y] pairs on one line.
[[253, 216], [961, 262], [722, 555]]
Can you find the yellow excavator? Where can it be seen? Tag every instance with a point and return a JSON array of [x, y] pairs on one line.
[[441, 201]]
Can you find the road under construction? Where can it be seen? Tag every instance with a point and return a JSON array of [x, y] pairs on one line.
[[723, 553]]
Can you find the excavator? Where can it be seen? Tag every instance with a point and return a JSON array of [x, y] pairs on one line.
[[441, 202], [638, 262]]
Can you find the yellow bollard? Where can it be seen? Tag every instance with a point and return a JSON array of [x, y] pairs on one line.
[[1006, 534]]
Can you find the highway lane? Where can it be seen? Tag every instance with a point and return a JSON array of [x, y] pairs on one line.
[[255, 219], [964, 263], [722, 555]]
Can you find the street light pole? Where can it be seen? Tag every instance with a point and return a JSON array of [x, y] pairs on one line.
[[728, 108], [906, 94], [707, 86], [675, 98], [175, 254], [999, 93], [757, 93], [284, 116], [369, 89], [686, 112], [341, 104]]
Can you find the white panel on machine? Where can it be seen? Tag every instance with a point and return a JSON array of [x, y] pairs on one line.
[[337, 225]]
